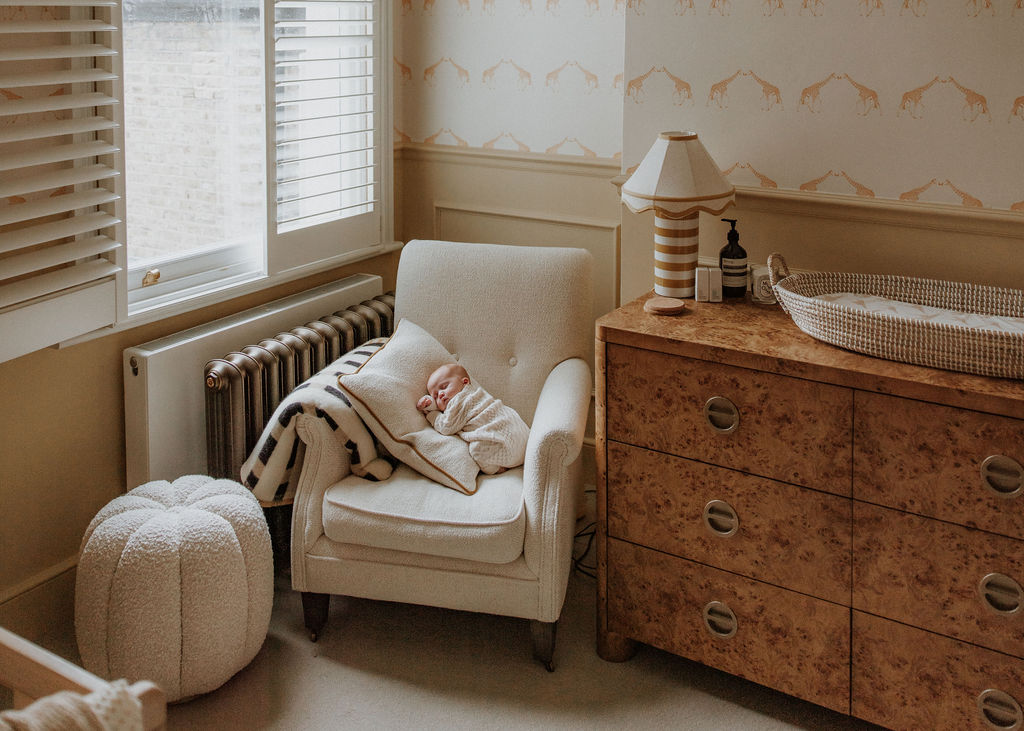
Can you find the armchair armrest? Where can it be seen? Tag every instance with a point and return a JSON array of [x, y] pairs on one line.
[[551, 478], [560, 418], [322, 461]]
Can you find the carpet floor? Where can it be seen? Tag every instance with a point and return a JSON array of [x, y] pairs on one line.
[[380, 665]]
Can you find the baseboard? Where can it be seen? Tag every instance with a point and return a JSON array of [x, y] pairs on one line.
[[44, 611]]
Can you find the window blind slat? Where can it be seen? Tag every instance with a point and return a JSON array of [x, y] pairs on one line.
[[55, 205], [58, 128], [64, 3], [56, 179], [36, 53], [55, 230], [55, 103], [49, 283], [35, 261], [57, 26], [363, 208], [322, 192], [49, 78], [59, 153]]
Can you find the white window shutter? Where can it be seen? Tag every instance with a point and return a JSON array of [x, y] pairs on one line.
[[61, 248], [326, 129]]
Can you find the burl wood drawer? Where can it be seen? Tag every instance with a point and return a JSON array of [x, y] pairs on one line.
[[788, 641], [779, 427], [941, 577], [772, 531], [957, 465], [905, 678]]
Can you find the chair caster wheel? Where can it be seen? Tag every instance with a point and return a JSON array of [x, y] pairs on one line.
[[313, 636], [549, 666]]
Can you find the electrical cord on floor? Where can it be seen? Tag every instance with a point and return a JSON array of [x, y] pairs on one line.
[[587, 532]]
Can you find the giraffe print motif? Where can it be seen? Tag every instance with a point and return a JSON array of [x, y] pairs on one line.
[[1017, 110], [911, 101], [811, 95], [975, 105], [919, 8], [769, 92], [814, 7], [493, 143], [975, 8], [636, 86], [867, 99], [681, 89], [556, 149], [763, 180], [719, 92]]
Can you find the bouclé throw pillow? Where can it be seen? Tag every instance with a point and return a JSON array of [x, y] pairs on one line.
[[384, 392]]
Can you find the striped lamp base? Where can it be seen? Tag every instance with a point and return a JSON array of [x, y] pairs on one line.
[[675, 256]]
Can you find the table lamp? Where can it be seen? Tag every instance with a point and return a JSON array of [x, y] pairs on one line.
[[678, 179]]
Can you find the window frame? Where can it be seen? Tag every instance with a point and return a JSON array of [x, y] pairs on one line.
[[198, 280], [73, 316]]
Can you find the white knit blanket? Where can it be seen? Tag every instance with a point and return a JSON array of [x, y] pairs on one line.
[[269, 472], [111, 708], [496, 434]]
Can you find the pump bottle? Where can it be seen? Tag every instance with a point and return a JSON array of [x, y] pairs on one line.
[[732, 260]]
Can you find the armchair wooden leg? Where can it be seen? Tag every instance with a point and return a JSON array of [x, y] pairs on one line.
[[314, 612], [543, 635]]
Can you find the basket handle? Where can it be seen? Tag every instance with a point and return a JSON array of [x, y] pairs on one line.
[[777, 271]]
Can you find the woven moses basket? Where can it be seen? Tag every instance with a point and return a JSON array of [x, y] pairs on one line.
[[989, 352]]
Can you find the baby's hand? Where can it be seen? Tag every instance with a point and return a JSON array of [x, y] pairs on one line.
[[425, 403]]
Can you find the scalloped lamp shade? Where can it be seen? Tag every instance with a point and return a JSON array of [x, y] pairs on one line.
[[678, 179]]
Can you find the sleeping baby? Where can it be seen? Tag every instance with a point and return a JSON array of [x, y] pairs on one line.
[[496, 434]]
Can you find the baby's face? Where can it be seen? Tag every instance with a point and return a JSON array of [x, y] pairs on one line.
[[445, 382]]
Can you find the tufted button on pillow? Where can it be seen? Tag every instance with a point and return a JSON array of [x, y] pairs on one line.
[[175, 584], [512, 361]]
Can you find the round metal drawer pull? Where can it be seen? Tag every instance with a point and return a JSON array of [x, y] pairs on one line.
[[1000, 710], [720, 620], [1001, 593], [721, 519], [1003, 475], [722, 414]]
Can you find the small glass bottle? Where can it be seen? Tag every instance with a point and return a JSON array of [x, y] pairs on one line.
[[732, 260]]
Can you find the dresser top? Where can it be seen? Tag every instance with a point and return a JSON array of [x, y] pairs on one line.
[[764, 337]]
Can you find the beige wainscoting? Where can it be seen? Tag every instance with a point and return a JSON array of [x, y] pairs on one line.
[[495, 196], [825, 232], [500, 196]]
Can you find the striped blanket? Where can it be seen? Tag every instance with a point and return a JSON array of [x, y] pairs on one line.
[[268, 471]]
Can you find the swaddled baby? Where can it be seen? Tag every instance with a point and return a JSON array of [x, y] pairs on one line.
[[496, 434]]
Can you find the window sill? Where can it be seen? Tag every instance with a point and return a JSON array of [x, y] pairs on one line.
[[237, 288]]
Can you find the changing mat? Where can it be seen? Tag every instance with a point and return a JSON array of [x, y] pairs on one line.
[[882, 305]]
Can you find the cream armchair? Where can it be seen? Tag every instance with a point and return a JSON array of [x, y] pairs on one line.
[[519, 318]]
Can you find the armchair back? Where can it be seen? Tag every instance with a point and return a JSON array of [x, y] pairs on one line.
[[509, 313]]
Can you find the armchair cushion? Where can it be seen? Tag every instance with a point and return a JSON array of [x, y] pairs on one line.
[[408, 512], [384, 392]]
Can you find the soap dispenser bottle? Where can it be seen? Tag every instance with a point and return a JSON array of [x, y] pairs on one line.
[[733, 262]]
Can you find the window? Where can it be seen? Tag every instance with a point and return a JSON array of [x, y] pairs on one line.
[[155, 150]]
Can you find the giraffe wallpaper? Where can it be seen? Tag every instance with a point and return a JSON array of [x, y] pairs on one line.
[[541, 76], [911, 100]]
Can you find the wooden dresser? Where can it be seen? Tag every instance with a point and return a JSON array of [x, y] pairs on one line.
[[844, 529]]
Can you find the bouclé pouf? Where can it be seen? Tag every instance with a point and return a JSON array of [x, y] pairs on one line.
[[175, 585]]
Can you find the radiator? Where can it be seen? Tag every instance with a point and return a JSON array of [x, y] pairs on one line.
[[243, 388], [164, 379]]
